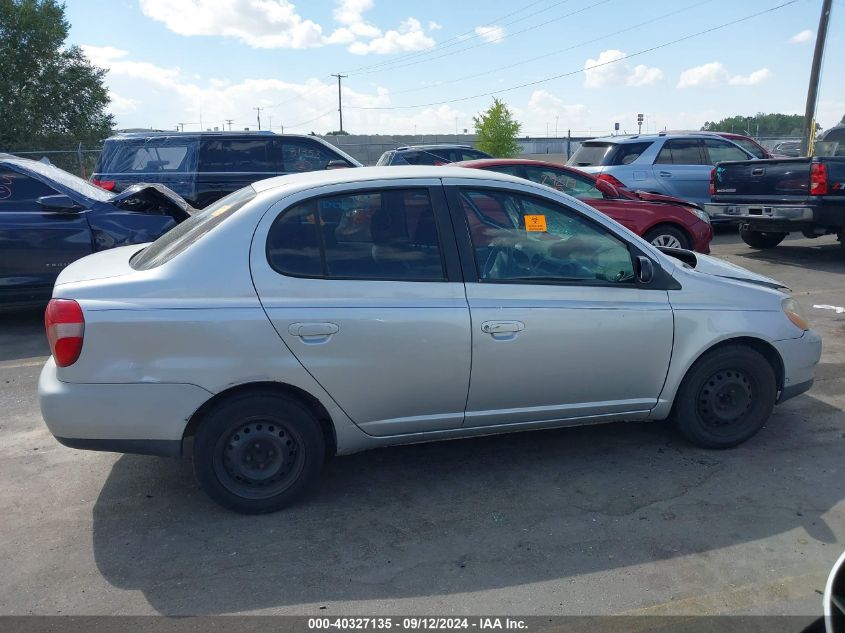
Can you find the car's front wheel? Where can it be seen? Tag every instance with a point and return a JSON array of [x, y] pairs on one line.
[[726, 397], [667, 236], [760, 239], [258, 452]]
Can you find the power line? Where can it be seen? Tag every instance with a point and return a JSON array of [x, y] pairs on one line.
[[581, 70], [460, 37], [494, 41], [325, 114], [557, 52]]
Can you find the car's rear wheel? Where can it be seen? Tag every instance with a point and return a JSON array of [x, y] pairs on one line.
[[760, 239], [258, 452], [668, 237], [726, 397]]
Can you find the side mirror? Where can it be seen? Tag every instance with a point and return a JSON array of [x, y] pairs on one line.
[[645, 269], [59, 202], [337, 164], [607, 190]]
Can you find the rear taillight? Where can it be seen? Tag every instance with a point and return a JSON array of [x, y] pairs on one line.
[[108, 185], [818, 179], [612, 180], [65, 327], [713, 182]]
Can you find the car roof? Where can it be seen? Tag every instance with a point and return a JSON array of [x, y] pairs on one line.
[[434, 146], [639, 138], [310, 179], [189, 135]]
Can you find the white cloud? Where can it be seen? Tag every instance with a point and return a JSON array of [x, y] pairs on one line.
[[757, 77], [608, 70], [490, 33], [121, 105], [715, 73], [409, 37], [643, 75], [349, 13], [114, 60], [434, 26], [802, 37], [258, 23], [543, 106]]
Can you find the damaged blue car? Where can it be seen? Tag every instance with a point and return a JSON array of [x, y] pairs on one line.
[[50, 218]]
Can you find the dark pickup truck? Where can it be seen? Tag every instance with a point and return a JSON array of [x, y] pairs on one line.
[[772, 198]]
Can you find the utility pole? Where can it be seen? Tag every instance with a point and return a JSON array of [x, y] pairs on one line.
[[270, 122], [809, 135], [339, 99], [229, 123], [180, 127], [258, 110]]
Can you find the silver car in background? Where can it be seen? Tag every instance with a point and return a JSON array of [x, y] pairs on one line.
[[670, 164], [332, 312]]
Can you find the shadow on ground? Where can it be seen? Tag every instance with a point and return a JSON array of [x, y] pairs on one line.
[[22, 334], [469, 515]]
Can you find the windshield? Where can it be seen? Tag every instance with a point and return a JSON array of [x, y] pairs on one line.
[[63, 178], [183, 235]]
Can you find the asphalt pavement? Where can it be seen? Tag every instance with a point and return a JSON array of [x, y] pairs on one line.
[[622, 518]]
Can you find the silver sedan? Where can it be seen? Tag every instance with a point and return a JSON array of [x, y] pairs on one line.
[[333, 312]]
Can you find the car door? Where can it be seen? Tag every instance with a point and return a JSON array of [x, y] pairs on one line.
[[683, 170], [363, 285], [561, 327], [36, 243]]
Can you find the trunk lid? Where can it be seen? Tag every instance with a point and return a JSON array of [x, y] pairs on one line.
[[103, 265], [772, 179]]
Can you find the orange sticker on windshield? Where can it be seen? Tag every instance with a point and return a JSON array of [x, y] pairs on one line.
[[535, 223]]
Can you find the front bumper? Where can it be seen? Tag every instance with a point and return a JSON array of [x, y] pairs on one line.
[[800, 357], [702, 235], [146, 418]]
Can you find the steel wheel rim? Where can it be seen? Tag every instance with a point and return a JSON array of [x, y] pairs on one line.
[[667, 241], [725, 400], [258, 458]]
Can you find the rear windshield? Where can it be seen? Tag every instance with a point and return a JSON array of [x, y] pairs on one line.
[[183, 235], [154, 155], [597, 153]]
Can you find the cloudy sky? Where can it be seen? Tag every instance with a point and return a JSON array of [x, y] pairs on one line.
[[428, 67]]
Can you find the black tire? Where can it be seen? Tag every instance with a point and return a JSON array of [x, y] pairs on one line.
[[725, 398], [760, 239], [665, 233], [258, 452]]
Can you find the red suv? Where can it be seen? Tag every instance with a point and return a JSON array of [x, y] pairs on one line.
[[662, 220]]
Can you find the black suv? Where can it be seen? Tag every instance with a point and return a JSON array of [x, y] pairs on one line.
[[203, 167], [430, 155]]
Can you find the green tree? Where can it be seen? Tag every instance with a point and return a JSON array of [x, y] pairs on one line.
[[51, 97], [496, 131], [773, 124]]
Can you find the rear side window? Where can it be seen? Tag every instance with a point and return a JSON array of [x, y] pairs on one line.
[[152, 155], [471, 154], [385, 159], [371, 235], [236, 155], [183, 235], [423, 157], [721, 150], [627, 153], [20, 193], [681, 152]]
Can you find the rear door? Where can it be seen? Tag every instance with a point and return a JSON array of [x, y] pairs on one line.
[[35, 243], [561, 328], [682, 169], [363, 285]]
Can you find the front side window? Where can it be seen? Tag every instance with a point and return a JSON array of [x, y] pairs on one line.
[[20, 193], [720, 150], [681, 152], [390, 235], [748, 146], [520, 238], [424, 157], [299, 155], [562, 181]]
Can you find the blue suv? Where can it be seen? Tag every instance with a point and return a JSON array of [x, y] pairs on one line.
[[671, 164]]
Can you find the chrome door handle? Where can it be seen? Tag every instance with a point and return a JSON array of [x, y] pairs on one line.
[[304, 330], [664, 174], [502, 327]]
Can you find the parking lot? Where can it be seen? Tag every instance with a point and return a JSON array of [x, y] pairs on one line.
[[613, 519]]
